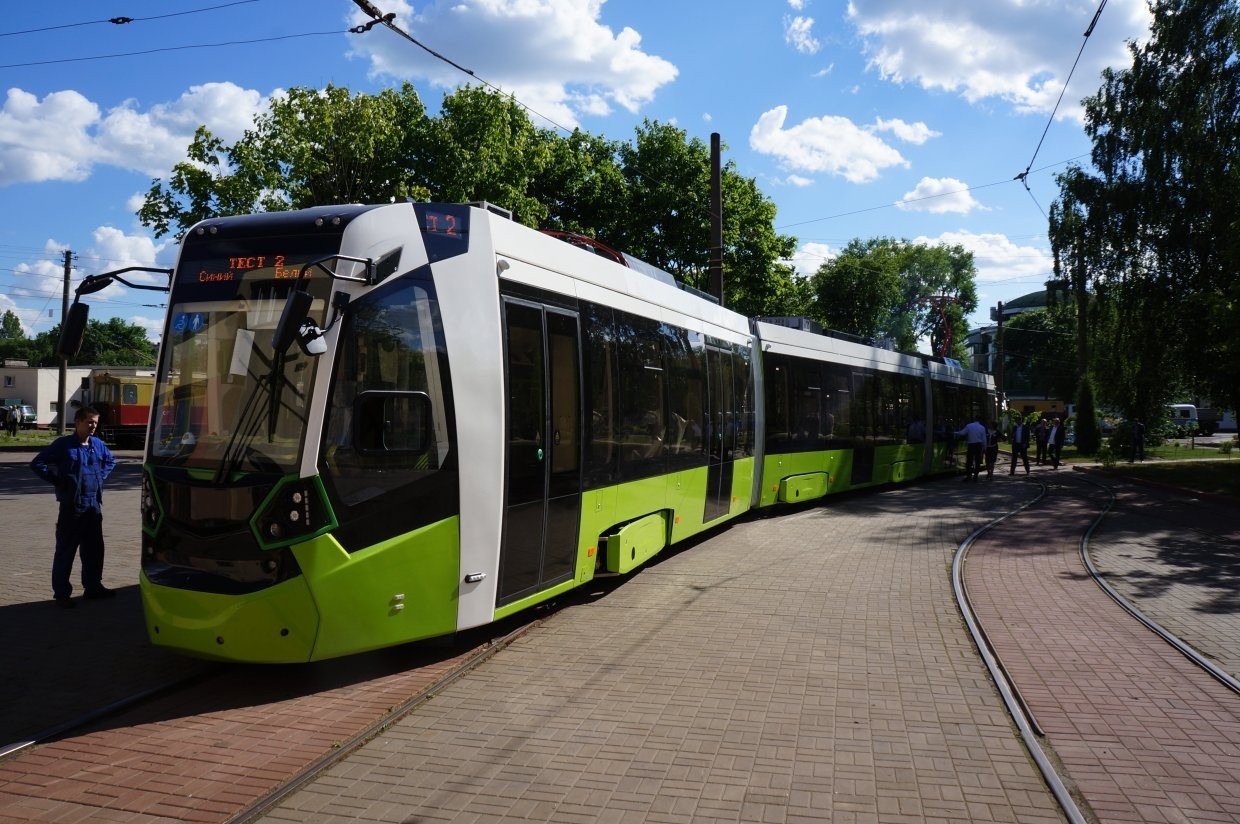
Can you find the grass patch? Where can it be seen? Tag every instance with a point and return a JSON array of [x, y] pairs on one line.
[[28, 438], [1219, 477]]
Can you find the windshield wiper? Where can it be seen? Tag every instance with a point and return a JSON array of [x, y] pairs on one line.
[[250, 420]]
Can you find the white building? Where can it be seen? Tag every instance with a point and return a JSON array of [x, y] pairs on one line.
[[39, 386]]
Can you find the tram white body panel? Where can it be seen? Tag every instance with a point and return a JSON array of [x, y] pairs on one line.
[[785, 340]]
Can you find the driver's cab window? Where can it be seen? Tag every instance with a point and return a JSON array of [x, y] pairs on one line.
[[389, 415]]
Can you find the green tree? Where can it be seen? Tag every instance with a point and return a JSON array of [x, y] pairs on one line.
[[857, 291], [113, 342], [1152, 226], [904, 291], [310, 148], [1088, 434], [13, 341], [484, 147], [1039, 354], [11, 327], [649, 198]]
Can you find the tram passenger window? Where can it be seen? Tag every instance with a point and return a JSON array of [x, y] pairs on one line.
[[778, 436], [599, 358], [643, 426], [687, 397], [742, 370]]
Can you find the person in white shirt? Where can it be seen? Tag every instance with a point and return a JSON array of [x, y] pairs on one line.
[[974, 434]]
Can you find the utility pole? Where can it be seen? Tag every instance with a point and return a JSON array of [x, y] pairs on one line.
[[716, 220], [64, 360], [999, 351]]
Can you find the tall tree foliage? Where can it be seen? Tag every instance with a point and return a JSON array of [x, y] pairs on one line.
[[113, 342], [1152, 227], [649, 197], [1040, 353], [883, 287]]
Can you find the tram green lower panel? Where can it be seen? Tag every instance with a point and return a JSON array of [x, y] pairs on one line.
[[276, 625], [403, 589], [803, 487], [800, 476], [636, 543]]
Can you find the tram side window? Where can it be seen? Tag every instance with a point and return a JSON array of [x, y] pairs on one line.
[[601, 437], [915, 428], [838, 404], [778, 436], [863, 405], [947, 413], [722, 429], [686, 365], [808, 407], [388, 417], [742, 368], [643, 424], [891, 404]]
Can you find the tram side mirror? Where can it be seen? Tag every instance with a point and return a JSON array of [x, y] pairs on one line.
[[73, 330], [388, 421], [291, 319]]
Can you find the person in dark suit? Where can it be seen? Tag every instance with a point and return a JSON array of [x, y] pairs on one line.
[[1040, 432], [1020, 446], [1055, 440]]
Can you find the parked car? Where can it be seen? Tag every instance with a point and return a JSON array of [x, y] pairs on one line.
[[29, 418]]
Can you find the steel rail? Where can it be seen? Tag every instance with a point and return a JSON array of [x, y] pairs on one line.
[[1007, 690]]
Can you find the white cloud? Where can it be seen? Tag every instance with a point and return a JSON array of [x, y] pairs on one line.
[[998, 259], [915, 133], [46, 139], [1013, 50], [798, 33], [939, 196], [553, 55], [64, 136], [834, 145], [809, 257]]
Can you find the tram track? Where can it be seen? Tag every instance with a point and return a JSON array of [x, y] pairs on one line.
[[121, 705], [1074, 801]]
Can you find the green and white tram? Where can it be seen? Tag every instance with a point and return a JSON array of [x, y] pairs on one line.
[[376, 424]]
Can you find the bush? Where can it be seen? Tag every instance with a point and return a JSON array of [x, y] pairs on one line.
[[1106, 456]]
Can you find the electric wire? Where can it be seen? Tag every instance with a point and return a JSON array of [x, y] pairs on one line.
[[187, 47], [120, 21], [387, 20], [1023, 176]]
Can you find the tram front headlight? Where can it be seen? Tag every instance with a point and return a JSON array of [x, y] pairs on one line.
[[295, 509]]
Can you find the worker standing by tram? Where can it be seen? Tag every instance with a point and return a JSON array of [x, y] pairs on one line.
[[974, 434], [77, 465]]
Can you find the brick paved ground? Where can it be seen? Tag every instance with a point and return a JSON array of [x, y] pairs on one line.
[[811, 667], [62, 663], [1146, 735]]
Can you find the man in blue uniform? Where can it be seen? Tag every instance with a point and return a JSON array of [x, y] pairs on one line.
[[77, 466]]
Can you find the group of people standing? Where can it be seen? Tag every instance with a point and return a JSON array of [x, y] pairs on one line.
[[982, 445], [10, 419]]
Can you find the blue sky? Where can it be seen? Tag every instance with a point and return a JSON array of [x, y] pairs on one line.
[[858, 119]]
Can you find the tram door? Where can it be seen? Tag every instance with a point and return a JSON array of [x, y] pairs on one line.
[[543, 470], [722, 434]]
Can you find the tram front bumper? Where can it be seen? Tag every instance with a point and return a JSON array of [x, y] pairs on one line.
[[276, 625]]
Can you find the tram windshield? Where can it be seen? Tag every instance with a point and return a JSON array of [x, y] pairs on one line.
[[225, 401]]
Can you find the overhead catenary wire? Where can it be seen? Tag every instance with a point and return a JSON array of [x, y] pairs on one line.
[[1023, 176], [121, 20], [388, 20]]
